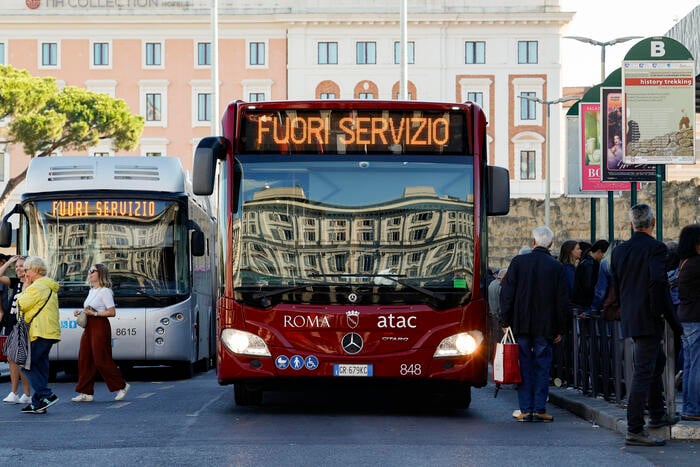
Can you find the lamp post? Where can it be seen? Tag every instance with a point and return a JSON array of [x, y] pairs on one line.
[[603, 45], [547, 175]]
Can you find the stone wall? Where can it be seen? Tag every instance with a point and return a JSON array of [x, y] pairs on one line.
[[571, 218]]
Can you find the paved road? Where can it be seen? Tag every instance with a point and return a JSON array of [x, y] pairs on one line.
[[187, 422]]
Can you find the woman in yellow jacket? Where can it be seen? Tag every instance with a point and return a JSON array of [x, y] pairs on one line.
[[38, 303]]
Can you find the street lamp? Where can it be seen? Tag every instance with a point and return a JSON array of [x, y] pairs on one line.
[[602, 46], [548, 148]]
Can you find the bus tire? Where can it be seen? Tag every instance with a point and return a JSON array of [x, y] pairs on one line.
[[244, 395], [185, 370], [455, 396]]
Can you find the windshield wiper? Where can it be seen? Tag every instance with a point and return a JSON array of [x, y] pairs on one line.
[[393, 277], [264, 297]]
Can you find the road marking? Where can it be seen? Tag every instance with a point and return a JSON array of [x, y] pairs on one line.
[[145, 395], [167, 387], [118, 405], [196, 414], [86, 418]]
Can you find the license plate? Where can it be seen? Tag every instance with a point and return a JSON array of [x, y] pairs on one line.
[[343, 369]]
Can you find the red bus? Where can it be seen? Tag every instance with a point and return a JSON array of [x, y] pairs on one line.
[[352, 243]]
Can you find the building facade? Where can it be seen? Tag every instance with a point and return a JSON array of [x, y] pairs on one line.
[[157, 56]]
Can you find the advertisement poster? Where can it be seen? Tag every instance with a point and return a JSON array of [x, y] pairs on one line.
[[660, 111], [592, 153], [613, 166]]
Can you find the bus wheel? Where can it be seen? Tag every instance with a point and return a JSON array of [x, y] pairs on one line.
[[455, 396], [185, 370], [243, 395]]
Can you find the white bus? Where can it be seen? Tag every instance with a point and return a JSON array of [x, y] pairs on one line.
[[137, 216]]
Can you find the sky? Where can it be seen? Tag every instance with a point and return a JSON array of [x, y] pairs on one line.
[[604, 20]]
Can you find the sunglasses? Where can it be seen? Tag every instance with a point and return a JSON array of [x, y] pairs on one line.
[[92, 270]]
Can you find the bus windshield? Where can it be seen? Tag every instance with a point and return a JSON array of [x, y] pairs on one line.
[[394, 223], [143, 242]]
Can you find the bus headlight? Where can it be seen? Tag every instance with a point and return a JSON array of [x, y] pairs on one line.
[[459, 345], [244, 343]]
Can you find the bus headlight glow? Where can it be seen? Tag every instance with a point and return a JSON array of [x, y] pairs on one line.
[[244, 343], [459, 345]]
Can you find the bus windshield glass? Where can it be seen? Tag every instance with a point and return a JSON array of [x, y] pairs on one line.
[[143, 242], [401, 224]]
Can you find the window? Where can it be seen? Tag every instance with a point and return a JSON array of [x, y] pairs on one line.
[[154, 154], [527, 51], [100, 154], [49, 54], [327, 53], [474, 52], [2, 54], [153, 107], [477, 97], [365, 95], [204, 54], [411, 46], [256, 96], [327, 95], [204, 107], [366, 53], [256, 53], [153, 54], [528, 108], [100, 53], [527, 165]]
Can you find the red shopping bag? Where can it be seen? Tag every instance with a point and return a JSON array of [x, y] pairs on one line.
[[3, 357], [506, 366]]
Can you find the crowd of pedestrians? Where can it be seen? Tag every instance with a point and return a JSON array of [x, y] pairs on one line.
[[31, 296], [641, 283]]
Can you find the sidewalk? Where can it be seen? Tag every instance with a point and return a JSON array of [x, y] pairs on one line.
[[613, 417]]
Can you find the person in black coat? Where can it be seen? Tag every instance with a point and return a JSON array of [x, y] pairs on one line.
[[639, 271], [534, 304]]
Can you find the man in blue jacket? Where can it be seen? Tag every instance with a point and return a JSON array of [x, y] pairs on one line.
[[534, 301], [639, 271]]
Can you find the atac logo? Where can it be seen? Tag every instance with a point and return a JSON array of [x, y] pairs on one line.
[[32, 4], [353, 318]]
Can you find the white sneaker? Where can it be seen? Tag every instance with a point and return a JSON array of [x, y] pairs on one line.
[[83, 398], [25, 399], [11, 398], [121, 394]]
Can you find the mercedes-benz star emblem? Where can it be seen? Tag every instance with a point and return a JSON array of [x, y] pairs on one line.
[[352, 297], [352, 343]]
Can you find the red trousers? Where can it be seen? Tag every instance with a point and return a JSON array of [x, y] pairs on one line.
[[95, 355]]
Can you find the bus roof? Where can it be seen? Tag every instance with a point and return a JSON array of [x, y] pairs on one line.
[[126, 173]]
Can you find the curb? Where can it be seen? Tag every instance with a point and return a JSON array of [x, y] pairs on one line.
[[613, 417]]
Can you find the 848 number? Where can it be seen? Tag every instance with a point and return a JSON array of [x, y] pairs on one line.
[[410, 369]]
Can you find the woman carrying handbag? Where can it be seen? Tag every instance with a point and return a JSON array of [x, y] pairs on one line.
[[95, 354]]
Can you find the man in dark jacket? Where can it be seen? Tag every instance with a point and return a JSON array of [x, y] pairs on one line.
[[639, 270], [534, 301]]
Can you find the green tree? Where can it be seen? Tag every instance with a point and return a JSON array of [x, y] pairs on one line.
[[45, 119]]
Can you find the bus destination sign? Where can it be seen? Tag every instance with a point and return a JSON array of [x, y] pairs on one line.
[[137, 208], [353, 131]]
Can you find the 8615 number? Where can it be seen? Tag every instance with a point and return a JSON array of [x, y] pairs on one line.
[[125, 332]]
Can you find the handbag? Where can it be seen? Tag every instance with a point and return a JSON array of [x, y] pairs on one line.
[[82, 319], [16, 347], [506, 365]]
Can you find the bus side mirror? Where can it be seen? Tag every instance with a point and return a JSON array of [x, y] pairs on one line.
[[497, 191], [208, 152], [197, 243], [5, 234]]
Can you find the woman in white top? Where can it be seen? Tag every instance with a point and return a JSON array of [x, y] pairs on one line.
[[95, 354]]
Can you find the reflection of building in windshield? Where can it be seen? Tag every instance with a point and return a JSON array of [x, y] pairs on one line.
[[420, 235], [133, 253]]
